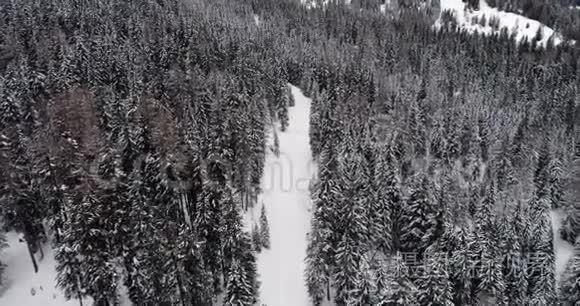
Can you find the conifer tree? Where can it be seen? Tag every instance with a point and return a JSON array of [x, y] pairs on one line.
[[3, 245], [394, 286], [386, 203], [433, 284], [354, 224], [291, 101], [347, 259], [417, 130], [317, 109], [323, 239], [571, 224], [264, 228], [70, 277], [541, 267], [276, 146], [238, 257], [514, 257], [421, 222], [239, 290], [256, 238], [317, 272], [505, 171], [283, 116], [490, 282], [364, 291], [462, 265], [570, 281]]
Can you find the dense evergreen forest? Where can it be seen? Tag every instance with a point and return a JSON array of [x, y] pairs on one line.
[[133, 136]]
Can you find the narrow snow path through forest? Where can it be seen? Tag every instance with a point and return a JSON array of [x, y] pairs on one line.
[[285, 193]]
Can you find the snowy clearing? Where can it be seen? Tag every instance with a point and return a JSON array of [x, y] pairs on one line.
[[563, 251], [23, 286], [523, 27], [286, 195]]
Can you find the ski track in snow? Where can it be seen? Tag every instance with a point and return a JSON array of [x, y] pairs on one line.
[[285, 193]]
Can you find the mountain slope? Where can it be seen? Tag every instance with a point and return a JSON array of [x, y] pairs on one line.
[[488, 20]]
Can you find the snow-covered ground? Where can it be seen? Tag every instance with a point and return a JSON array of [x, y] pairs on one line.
[[311, 4], [562, 249], [23, 287], [287, 199], [523, 27]]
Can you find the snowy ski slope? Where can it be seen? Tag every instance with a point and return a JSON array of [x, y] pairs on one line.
[[523, 27], [287, 199]]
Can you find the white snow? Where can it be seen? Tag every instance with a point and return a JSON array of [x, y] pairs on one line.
[[312, 4], [286, 195], [523, 27], [20, 280], [563, 251], [257, 20], [383, 8]]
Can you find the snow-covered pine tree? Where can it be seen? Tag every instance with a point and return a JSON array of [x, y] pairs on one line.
[[347, 258], [472, 159], [453, 144], [317, 272], [151, 274], [197, 279], [462, 265], [3, 245], [239, 291], [354, 226], [291, 101], [324, 237], [315, 126], [71, 279], [483, 128], [433, 284], [386, 203], [541, 267], [513, 236], [256, 238], [556, 183], [417, 129], [257, 139], [364, 292], [282, 112], [237, 250], [504, 169], [393, 283], [490, 282], [264, 228], [22, 207], [421, 221], [207, 214], [519, 145], [542, 173], [571, 224], [90, 236], [569, 293], [276, 145]]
